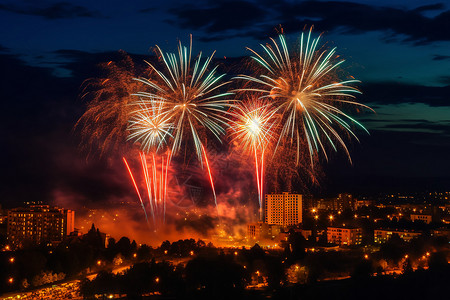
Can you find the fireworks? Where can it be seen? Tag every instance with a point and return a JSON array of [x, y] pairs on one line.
[[294, 102], [180, 105], [149, 125], [187, 92], [304, 87], [104, 123], [255, 124], [254, 130]]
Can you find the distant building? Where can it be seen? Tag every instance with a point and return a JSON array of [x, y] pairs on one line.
[[441, 232], [283, 209], [346, 201], [344, 236], [262, 230], [340, 203], [382, 235], [421, 217], [36, 224], [363, 203]]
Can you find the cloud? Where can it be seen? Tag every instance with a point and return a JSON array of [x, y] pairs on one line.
[[430, 7], [396, 93], [257, 19], [440, 57], [444, 80], [220, 19], [220, 16], [423, 126], [58, 10]]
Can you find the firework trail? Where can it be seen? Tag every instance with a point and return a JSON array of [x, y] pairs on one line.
[[179, 107], [305, 89], [253, 128]]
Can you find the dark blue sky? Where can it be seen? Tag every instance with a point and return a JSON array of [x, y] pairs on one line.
[[399, 49]]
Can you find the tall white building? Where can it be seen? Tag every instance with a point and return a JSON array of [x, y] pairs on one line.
[[283, 209]]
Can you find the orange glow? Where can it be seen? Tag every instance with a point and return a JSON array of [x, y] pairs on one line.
[[366, 256], [157, 279], [11, 280], [99, 262], [11, 260]]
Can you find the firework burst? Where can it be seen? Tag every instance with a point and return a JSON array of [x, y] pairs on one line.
[[305, 88], [149, 125], [253, 129], [187, 92]]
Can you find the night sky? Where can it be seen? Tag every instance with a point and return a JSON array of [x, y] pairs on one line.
[[399, 49]]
